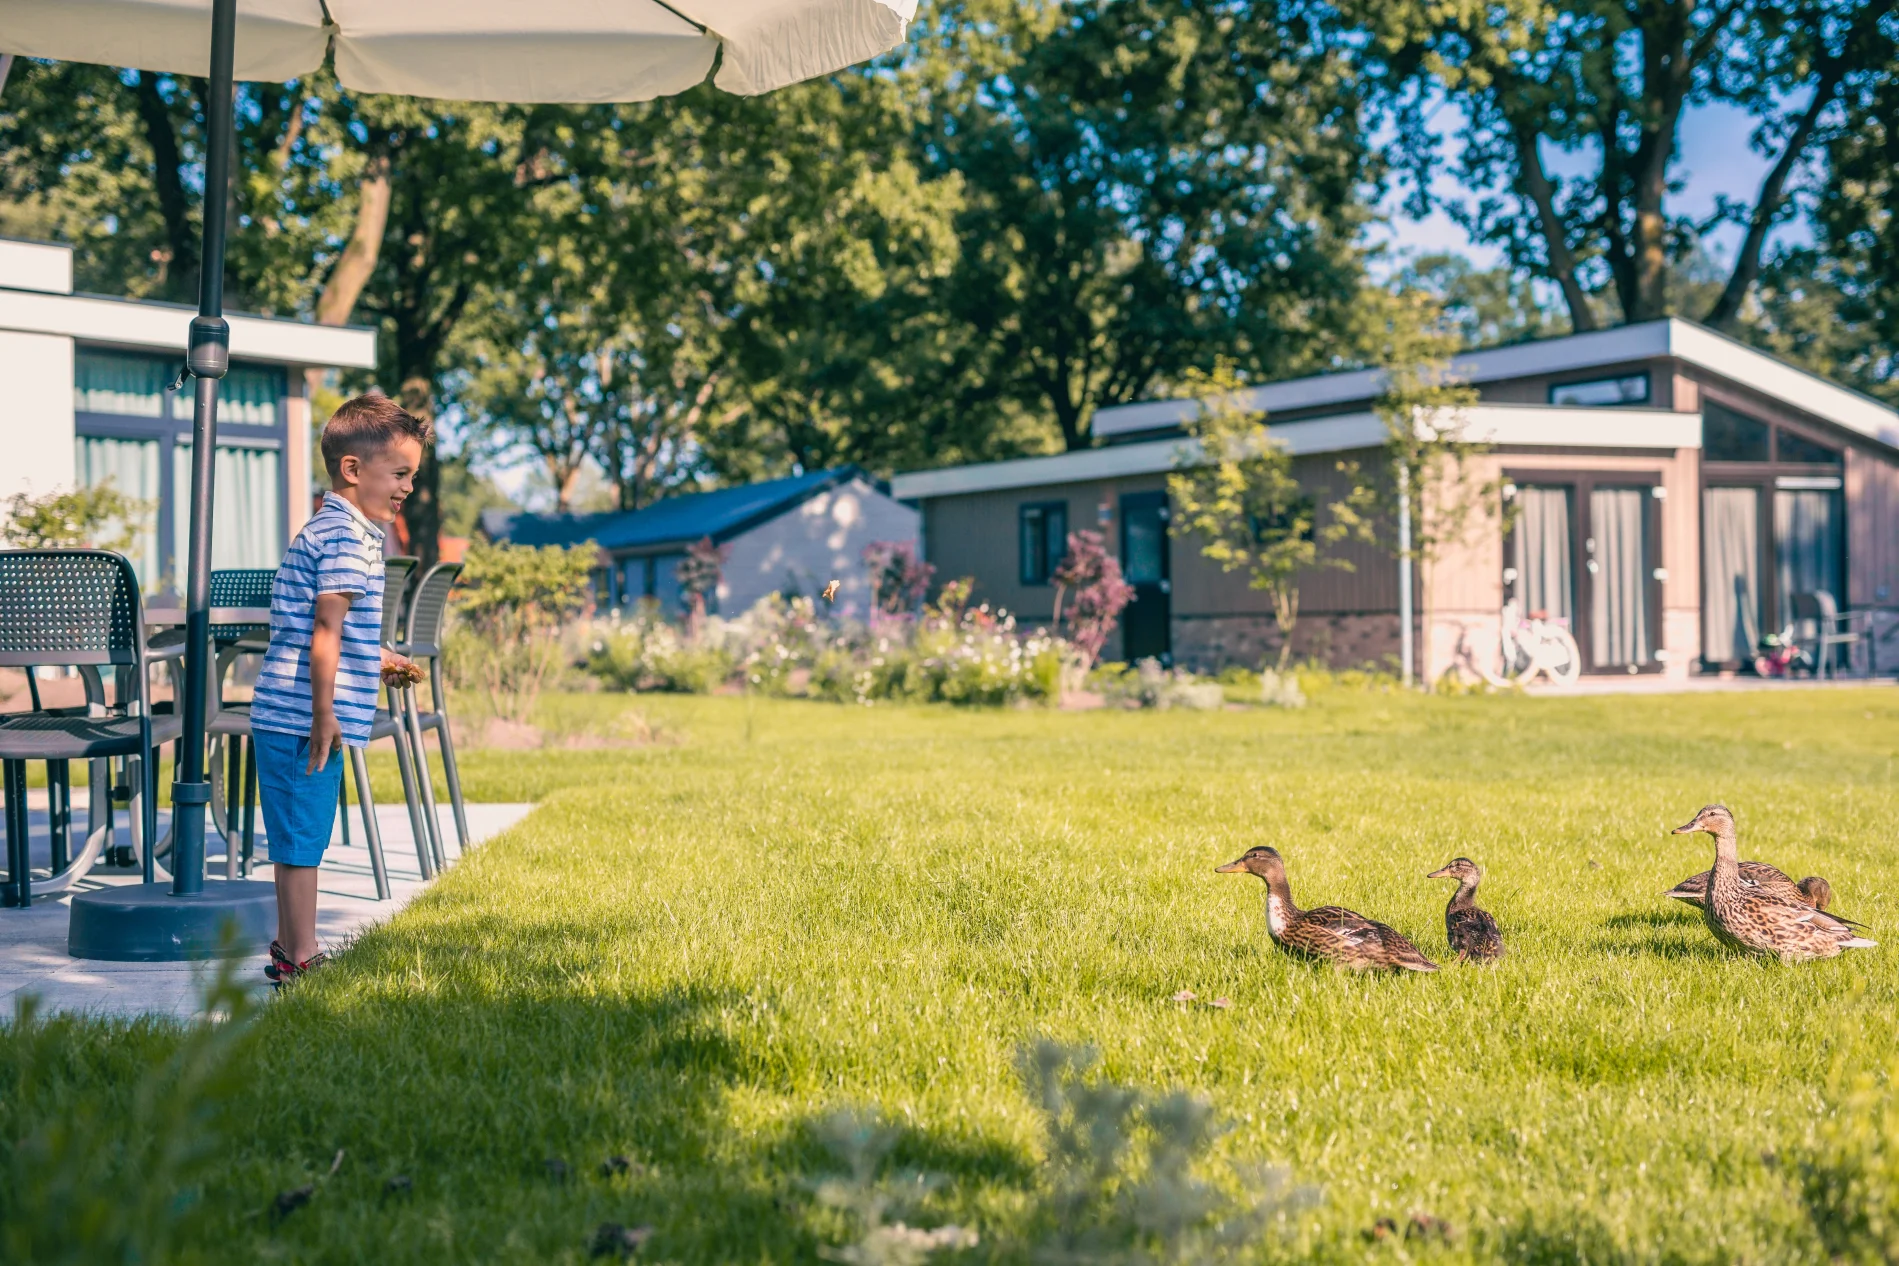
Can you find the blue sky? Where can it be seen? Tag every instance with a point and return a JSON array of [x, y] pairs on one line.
[[1714, 158]]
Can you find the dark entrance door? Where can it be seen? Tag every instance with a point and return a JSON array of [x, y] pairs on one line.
[[1146, 625]]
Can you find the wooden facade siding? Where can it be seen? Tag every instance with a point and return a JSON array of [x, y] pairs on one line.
[[1872, 529]]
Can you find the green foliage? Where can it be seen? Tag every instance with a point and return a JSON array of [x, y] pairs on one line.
[[115, 1177], [866, 1195], [95, 517], [511, 604], [1849, 1178], [1235, 489]]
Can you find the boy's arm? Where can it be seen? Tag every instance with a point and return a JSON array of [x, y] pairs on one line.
[[326, 649]]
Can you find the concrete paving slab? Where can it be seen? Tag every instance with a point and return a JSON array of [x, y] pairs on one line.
[[33, 958]]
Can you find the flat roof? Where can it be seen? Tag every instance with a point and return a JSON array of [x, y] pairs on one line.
[[1650, 340], [1661, 430]]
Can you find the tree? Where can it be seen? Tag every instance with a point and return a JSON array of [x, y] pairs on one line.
[[1606, 83], [1481, 307], [1235, 491], [1148, 186]]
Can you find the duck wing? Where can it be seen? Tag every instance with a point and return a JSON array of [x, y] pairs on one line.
[[1473, 933], [1754, 875], [1790, 929], [1352, 939]]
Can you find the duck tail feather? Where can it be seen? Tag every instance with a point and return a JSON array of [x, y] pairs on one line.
[[1858, 942]]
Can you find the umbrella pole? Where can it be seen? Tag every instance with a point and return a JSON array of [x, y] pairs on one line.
[[145, 922], [208, 356]]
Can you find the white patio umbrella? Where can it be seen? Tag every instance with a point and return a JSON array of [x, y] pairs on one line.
[[463, 50]]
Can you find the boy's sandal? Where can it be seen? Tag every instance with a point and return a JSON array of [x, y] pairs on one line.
[[289, 971], [279, 961]]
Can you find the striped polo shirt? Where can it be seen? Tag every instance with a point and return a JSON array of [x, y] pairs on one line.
[[338, 551]]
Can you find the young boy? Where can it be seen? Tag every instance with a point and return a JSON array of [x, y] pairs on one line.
[[317, 688]]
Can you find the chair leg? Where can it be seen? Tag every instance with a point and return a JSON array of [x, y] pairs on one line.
[[412, 717], [143, 842], [19, 856], [372, 836], [250, 807], [454, 776], [342, 809], [423, 856], [231, 780], [59, 811]]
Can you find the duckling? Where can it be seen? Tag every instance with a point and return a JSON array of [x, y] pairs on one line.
[[1329, 932], [1811, 891], [1752, 918], [1472, 932]]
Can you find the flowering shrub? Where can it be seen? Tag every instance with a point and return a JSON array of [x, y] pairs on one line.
[[899, 581], [949, 653], [1100, 594]]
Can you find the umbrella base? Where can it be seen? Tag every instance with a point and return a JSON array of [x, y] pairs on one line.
[[147, 924]]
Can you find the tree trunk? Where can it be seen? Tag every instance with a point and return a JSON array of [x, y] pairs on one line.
[[1562, 261], [422, 512], [180, 271], [358, 260]]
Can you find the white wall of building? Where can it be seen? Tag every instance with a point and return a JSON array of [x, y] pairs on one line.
[[36, 414], [817, 542]]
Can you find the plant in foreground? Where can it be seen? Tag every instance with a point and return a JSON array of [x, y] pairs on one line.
[[1122, 1186], [1850, 1180], [861, 1142], [91, 1181]]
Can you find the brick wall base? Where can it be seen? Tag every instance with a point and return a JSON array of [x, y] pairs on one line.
[[1206, 644]]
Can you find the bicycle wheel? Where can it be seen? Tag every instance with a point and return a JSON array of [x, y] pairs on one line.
[[1562, 658]]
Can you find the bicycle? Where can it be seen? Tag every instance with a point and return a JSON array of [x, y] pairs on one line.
[[1535, 645]]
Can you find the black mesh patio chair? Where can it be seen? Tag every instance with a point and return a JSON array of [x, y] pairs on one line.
[[423, 635], [78, 608], [232, 759]]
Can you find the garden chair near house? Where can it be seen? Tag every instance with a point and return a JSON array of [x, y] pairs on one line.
[[424, 632], [78, 608], [390, 723], [1831, 629]]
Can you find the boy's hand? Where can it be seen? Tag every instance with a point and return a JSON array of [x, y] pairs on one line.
[[326, 736], [398, 672]]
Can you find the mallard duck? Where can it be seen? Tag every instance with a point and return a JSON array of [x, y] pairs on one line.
[[1472, 932], [1754, 919], [1811, 891], [1328, 932]]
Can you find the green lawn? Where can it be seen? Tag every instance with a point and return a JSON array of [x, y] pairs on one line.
[[694, 950]]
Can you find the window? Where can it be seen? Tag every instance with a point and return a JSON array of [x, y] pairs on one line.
[[135, 432], [1799, 450], [1728, 436], [1043, 534], [1600, 392]]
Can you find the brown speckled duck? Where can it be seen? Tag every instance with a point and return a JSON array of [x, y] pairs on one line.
[[1769, 879], [1472, 932], [1329, 932], [1753, 918]]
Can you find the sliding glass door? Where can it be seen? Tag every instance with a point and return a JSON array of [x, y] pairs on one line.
[[1585, 551], [1808, 546], [1731, 574]]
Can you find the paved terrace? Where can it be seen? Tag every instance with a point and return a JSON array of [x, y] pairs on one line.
[[33, 957]]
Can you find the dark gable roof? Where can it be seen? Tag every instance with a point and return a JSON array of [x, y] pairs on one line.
[[675, 521]]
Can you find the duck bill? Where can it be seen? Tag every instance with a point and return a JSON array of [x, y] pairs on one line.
[[1442, 872], [1231, 868], [1689, 829]]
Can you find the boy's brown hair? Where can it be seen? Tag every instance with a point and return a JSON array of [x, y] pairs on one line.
[[366, 425]]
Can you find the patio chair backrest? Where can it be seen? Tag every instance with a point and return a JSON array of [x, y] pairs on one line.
[[240, 587], [428, 612], [69, 606], [395, 592], [1817, 605]]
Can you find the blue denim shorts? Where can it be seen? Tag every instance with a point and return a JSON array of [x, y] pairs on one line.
[[299, 808]]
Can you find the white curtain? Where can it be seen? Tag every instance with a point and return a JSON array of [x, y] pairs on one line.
[[130, 386], [1730, 550], [1543, 576], [247, 522], [130, 466], [1806, 545], [1618, 616]]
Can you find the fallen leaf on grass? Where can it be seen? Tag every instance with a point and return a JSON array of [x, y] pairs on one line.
[[1222, 1002], [618, 1166], [610, 1239], [400, 1185], [1185, 995], [1383, 1229], [1425, 1227]]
